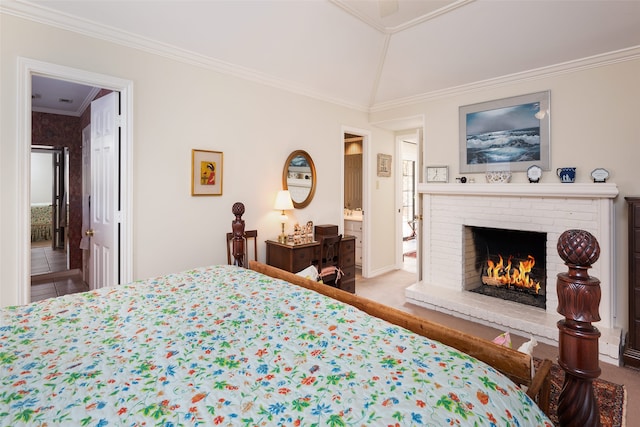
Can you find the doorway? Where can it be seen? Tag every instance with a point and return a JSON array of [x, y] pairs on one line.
[[27, 69], [353, 191], [355, 194], [409, 150], [49, 210], [409, 210]]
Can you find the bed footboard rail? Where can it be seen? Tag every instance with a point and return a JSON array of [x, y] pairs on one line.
[[512, 363]]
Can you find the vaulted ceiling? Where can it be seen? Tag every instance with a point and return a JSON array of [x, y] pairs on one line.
[[366, 54]]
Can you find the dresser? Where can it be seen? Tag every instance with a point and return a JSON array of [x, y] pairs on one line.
[[354, 228], [631, 354], [295, 258]]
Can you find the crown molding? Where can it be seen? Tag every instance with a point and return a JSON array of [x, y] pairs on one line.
[[595, 61], [89, 28], [406, 25], [86, 102]]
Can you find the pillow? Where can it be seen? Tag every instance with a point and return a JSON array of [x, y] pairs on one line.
[[310, 272]]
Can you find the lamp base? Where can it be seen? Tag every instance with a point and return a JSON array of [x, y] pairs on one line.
[[282, 238]]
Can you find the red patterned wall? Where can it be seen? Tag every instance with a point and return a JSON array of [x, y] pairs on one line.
[[54, 130]]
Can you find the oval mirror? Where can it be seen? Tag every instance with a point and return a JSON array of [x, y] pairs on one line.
[[299, 177]]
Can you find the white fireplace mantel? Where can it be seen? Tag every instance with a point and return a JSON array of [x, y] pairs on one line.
[[590, 191], [541, 207]]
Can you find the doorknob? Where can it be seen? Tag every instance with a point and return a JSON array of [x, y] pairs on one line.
[[89, 232]]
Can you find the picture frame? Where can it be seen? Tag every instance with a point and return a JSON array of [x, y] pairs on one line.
[[206, 173], [384, 165], [509, 134]]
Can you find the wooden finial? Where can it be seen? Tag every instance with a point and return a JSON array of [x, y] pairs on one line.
[[578, 301], [237, 226]]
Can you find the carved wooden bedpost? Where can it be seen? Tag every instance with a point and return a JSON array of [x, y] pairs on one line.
[[237, 225], [578, 301]]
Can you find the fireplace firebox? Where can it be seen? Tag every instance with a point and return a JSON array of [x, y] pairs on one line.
[[507, 264]]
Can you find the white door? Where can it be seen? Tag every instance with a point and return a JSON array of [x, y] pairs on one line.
[[86, 197], [409, 202], [103, 201], [418, 202]]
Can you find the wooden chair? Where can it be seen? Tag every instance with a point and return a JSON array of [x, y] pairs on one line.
[[248, 234], [329, 263]]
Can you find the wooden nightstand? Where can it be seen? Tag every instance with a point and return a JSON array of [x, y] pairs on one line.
[[295, 258]]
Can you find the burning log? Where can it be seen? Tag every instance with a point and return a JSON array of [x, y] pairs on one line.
[[492, 281]]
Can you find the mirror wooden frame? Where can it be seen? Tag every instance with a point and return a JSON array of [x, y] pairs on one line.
[[285, 174]]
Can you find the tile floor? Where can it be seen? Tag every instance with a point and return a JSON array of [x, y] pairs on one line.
[[45, 259], [49, 275]]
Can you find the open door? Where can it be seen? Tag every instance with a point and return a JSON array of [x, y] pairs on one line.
[[409, 209], [59, 197], [104, 200]]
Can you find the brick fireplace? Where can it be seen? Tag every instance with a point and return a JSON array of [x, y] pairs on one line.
[[451, 209]]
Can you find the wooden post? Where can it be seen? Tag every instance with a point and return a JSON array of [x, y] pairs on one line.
[[578, 301], [237, 226]]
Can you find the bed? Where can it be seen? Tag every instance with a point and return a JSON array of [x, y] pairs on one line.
[[41, 222], [225, 345]]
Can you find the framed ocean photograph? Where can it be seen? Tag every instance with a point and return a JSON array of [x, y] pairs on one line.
[[508, 134]]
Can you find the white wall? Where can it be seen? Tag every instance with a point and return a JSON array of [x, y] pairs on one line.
[[594, 123], [41, 178], [178, 107]]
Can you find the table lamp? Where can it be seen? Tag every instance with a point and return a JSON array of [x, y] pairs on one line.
[[283, 202]]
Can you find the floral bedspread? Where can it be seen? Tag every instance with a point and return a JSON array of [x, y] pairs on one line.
[[227, 346], [41, 222]]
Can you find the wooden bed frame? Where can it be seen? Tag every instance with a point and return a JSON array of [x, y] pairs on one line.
[[512, 363]]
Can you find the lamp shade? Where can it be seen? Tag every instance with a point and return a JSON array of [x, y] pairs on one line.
[[283, 201]]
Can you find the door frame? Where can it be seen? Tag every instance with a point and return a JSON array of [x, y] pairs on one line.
[[26, 69], [415, 135], [54, 185]]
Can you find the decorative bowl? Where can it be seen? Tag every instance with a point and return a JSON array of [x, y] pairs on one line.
[[494, 177]]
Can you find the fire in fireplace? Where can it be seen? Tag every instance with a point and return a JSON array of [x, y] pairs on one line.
[[510, 264], [513, 273]]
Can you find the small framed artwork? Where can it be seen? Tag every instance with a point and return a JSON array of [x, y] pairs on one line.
[[206, 173], [384, 165], [509, 134]]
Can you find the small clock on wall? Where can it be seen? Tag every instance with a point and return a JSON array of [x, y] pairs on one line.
[[437, 173]]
